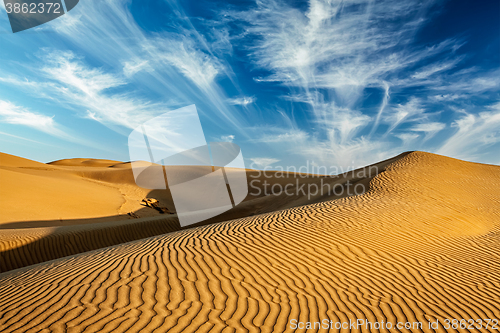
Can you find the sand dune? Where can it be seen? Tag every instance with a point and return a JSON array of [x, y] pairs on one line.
[[422, 244], [79, 191], [91, 162], [95, 203], [33, 191]]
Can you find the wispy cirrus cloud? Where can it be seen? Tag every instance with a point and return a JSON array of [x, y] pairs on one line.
[[430, 129], [11, 113], [14, 114], [473, 132], [227, 138], [70, 71], [197, 66], [408, 139], [263, 162], [139, 74], [65, 78], [280, 135], [330, 80], [132, 67], [337, 44], [401, 113], [182, 65], [244, 101], [24, 139], [331, 52], [79, 84], [430, 70]]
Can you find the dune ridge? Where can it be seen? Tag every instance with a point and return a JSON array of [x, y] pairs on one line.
[[421, 245]]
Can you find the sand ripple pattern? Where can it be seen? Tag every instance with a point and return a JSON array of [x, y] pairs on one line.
[[423, 243], [24, 247]]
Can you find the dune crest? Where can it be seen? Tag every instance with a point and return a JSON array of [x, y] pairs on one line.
[[421, 245], [90, 162]]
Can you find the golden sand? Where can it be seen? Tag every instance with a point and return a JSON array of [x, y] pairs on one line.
[[47, 218], [422, 244]]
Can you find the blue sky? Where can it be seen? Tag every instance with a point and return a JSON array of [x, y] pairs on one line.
[[335, 83]]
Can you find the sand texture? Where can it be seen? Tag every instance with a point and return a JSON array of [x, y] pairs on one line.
[[422, 244], [76, 205]]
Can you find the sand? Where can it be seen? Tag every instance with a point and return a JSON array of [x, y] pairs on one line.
[[111, 211], [81, 191], [422, 244], [38, 193]]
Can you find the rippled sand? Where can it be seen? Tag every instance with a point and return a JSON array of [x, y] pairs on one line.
[[422, 244]]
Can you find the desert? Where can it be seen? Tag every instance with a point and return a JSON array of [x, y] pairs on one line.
[[419, 246]]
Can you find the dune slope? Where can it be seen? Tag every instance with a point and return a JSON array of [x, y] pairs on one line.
[[82, 188], [421, 245], [80, 191], [32, 191]]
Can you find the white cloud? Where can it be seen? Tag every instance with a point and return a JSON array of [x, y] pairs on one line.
[[474, 133], [410, 111], [13, 114], [278, 135], [68, 23], [67, 69], [186, 65], [429, 128], [336, 44], [356, 153], [132, 67], [448, 97], [79, 84], [17, 81], [17, 115], [200, 67], [383, 105], [241, 101], [432, 69], [407, 138], [462, 83], [345, 124], [263, 162], [330, 53], [227, 138], [25, 139]]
